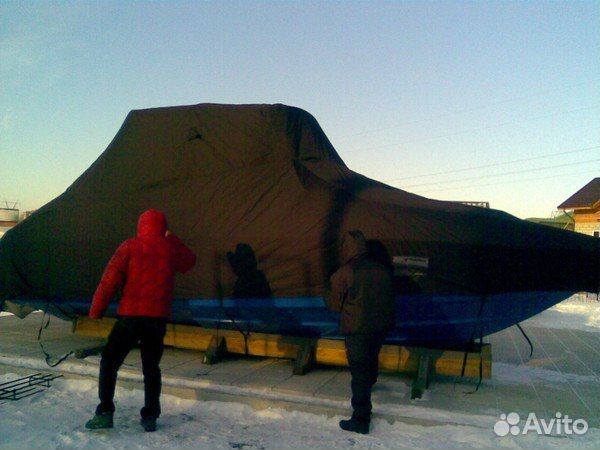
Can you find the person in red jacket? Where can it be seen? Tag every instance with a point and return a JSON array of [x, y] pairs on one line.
[[144, 267]]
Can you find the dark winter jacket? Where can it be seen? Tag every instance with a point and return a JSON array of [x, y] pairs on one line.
[[145, 267], [361, 290]]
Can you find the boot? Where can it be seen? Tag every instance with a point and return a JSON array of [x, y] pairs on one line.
[[100, 421], [148, 423], [355, 425]]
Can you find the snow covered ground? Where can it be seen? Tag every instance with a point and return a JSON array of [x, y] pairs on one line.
[[55, 419], [574, 313]]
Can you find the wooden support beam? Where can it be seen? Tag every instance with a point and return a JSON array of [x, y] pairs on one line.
[[305, 358], [392, 358], [217, 348], [421, 382]]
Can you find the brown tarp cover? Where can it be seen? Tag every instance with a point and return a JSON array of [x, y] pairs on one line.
[[267, 176]]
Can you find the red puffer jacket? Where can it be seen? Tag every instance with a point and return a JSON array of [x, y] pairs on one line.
[[146, 264]]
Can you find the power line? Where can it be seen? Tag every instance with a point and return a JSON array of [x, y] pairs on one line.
[[579, 150], [471, 130], [501, 174], [511, 182], [448, 114]]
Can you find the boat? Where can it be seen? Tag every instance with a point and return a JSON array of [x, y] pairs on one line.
[[266, 178]]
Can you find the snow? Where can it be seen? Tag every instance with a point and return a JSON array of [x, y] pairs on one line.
[[413, 411], [523, 374], [574, 313], [55, 418]]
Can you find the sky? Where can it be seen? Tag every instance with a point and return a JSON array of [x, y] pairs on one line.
[[492, 101]]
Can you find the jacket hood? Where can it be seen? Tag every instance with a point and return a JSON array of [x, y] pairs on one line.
[[353, 245], [152, 223]]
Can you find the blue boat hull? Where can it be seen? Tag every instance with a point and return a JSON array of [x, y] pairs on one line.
[[423, 319]]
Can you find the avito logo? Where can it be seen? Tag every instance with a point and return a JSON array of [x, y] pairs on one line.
[[509, 424]]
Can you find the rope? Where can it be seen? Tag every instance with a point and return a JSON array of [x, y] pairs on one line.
[[245, 334], [480, 363], [471, 346], [527, 338], [47, 355]]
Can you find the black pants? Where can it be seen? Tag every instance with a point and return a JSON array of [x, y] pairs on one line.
[[362, 351], [126, 333]]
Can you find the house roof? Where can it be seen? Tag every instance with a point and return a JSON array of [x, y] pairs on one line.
[[586, 197]]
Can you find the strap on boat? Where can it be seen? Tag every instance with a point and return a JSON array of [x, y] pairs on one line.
[[480, 363], [527, 338], [471, 346], [472, 340], [245, 334], [464, 363]]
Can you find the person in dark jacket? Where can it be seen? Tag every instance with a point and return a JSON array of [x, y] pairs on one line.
[[144, 267], [251, 281], [361, 290]]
